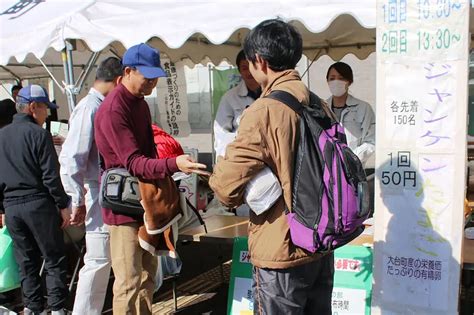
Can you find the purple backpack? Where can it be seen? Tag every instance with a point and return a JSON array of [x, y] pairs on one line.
[[330, 199]]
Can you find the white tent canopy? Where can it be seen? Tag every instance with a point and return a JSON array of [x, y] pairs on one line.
[[195, 30]]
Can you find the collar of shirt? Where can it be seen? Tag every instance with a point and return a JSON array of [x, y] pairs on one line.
[[22, 117], [350, 101], [255, 94], [97, 94], [244, 91], [129, 97]]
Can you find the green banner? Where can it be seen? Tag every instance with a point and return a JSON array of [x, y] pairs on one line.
[[240, 300], [352, 292], [222, 81], [9, 270]]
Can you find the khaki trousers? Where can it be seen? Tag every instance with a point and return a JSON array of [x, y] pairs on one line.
[[134, 271]]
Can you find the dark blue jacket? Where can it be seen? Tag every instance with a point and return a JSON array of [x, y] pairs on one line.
[[29, 167]]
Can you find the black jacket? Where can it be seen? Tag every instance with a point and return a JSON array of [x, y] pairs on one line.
[[29, 167]]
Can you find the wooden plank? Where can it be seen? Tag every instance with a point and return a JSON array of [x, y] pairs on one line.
[[362, 240], [213, 223], [226, 235]]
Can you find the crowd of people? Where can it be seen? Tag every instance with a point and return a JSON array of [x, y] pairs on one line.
[[111, 127]]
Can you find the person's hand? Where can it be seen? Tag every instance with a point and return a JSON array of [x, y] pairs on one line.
[[187, 165], [78, 215], [66, 216], [2, 220], [58, 140]]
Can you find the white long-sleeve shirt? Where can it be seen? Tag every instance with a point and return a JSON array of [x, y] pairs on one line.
[[228, 116], [79, 157]]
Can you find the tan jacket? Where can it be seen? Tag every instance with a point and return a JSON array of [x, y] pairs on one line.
[[266, 136]]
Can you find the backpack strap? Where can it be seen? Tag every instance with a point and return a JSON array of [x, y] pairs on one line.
[[287, 99], [292, 102]]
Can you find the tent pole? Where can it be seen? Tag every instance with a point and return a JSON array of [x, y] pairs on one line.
[[210, 69], [51, 75], [11, 72], [70, 67], [66, 55], [85, 73], [6, 90]]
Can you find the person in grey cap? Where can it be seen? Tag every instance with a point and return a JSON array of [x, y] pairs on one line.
[[36, 205], [124, 138]]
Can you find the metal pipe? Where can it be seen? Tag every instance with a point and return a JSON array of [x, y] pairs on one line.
[[85, 73], [69, 95], [11, 72], [213, 115], [69, 49], [66, 55], [52, 76]]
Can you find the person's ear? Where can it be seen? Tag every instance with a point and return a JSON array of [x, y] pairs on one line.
[[32, 106], [262, 63], [126, 72]]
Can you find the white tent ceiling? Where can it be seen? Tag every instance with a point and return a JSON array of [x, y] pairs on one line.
[[195, 30]]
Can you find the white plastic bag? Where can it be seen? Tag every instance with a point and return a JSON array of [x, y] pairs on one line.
[[262, 191]]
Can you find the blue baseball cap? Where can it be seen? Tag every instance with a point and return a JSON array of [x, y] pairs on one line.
[[35, 93], [146, 59]]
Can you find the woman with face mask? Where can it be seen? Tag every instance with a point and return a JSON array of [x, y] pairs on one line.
[[355, 115]]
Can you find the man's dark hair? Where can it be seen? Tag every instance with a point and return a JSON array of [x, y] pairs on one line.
[[276, 42], [16, 87], [343, 69], [7, 110], [239, 58], [109, 69]]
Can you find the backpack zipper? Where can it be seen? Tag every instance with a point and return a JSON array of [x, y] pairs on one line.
[[339, 224]]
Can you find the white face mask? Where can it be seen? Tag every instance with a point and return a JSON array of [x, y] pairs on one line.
[[337, 87]]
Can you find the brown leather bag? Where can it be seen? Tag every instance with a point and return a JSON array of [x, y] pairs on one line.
[[160, 199]]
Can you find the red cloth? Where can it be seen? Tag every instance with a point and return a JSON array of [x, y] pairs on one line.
[[166, 145]]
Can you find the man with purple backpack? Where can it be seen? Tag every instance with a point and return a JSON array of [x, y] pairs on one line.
[[287, 279]]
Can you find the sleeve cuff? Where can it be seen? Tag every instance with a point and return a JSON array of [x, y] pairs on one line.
[[171, 166], [77, 204], [66, 203]]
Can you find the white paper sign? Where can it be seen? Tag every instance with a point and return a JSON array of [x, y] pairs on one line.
[[243, 299], [422, 29], [348, 301], [173, 101], [422, 65]]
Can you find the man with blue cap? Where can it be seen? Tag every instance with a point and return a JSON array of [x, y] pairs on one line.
[[124, 138], [36, 205]]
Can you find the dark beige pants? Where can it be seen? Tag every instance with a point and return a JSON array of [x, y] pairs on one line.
[[134, 271]]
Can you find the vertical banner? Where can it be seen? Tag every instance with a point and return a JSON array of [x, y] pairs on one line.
[[173, 101], [222, 81], [422, 72]]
